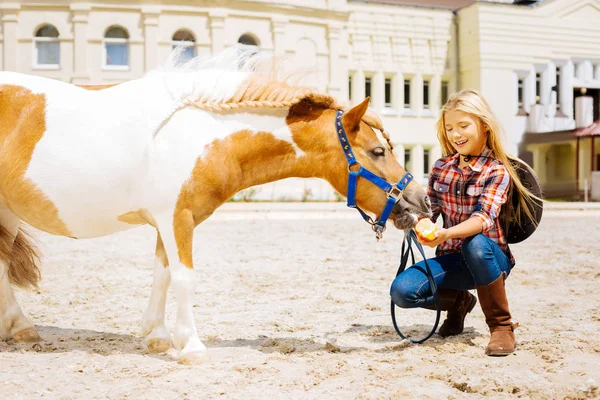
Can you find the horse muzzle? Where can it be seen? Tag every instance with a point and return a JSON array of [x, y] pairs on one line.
[[410, 209]]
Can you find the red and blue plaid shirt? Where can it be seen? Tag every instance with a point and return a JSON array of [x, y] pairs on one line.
[[477, 191]]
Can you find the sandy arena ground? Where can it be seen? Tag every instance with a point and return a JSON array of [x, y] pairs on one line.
[[295, 305]]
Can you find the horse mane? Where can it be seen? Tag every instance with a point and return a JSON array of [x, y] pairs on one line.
[[262, 92], [258, 84]]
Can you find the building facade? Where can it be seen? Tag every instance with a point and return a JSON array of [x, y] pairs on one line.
[[530, 62], [539, 68]]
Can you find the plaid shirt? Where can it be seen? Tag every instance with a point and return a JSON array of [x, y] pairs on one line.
[[477, 191]]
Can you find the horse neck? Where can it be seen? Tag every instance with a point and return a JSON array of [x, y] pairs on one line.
[[263, 154]]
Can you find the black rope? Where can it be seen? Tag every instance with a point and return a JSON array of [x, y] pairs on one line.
[[409, 238]]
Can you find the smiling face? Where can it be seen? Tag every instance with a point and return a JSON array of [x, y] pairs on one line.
[[465, 132]]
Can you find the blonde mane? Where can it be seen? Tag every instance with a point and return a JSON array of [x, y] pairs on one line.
[[262, 92], [256, 84]]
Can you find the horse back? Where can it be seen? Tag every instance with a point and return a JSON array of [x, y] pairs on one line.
[[61, 152]]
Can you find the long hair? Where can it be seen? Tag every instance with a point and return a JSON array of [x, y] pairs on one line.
[[22, 258], [471, 102]]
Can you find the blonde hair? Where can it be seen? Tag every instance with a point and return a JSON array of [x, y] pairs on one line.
[[471, 102]]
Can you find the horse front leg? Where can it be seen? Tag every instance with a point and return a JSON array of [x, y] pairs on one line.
[[158, 339], [176, 230]]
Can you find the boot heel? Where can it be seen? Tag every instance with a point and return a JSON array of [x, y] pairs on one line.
[[472, 304]]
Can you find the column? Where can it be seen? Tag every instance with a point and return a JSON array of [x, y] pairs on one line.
[[358, 87], [417, 94], [539, 163], [80, 15], [416, 160], [378, 89], [278, 25], [529, 91], [544, 71], [579, 72], [584, 110], [337, 73], [399, 153], [435, 87], [399, 91], [583, 166], [10, 17], [217, 29], [150, 15], [435, 153], [566, 88], [584, 70]]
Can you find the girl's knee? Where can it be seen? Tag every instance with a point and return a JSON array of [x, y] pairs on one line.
[[476, 247], [403, 295]]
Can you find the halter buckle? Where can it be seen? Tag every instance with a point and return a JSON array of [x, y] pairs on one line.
[[395, 192], [378, 229], [355, 164]]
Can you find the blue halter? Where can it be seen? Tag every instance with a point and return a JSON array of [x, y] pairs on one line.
[[394, 192]]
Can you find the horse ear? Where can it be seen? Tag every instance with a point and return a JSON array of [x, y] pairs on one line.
[[351, 118]]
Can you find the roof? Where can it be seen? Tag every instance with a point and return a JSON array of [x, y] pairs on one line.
[[592, 130], [561, 136], [449, 4], [445, 4]]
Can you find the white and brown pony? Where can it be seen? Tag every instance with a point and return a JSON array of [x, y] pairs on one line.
[[165, 150]]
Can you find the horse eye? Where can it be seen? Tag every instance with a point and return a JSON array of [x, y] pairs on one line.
[[378, 152]]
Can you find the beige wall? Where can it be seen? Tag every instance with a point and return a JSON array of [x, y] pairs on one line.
[[501, 43], [331, 40], [325, 39]]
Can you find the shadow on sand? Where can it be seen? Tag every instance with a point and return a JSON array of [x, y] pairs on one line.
[[63, 340]]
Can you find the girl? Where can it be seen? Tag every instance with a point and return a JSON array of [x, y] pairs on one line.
[[468, 186]]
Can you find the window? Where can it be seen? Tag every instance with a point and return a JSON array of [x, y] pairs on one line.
[[116, 48], [426, 156], [520, 93], [444, 92], [407, 163], [388, 92], [426, 95], [557, 88], [367, 87], [538, 87], [188, 42], [47, 47], [248, 39], [407, 93]]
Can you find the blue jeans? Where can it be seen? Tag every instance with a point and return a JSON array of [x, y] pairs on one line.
[[480, 262]]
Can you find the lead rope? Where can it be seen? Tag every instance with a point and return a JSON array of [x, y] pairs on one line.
[[409, 238]]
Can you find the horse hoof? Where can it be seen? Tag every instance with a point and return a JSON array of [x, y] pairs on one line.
[[28, 335], [193, 358], [158, 345]]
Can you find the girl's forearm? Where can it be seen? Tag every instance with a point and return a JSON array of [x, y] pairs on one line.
[[465, 229]]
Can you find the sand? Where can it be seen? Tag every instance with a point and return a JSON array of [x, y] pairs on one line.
[[295, 305]]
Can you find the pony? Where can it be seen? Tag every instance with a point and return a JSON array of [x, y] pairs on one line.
[[167, 150]]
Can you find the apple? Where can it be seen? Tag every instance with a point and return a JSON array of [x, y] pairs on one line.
[[426, 230]]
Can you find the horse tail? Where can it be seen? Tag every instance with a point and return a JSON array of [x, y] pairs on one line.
[[22, 257]]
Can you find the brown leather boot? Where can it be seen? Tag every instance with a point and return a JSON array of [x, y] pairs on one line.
[[494, 304], [458, 303]]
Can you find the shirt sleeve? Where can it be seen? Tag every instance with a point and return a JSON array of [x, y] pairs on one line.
[[493, 196]]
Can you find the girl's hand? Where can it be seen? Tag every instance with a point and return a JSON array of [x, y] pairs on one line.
[[442, 236]]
